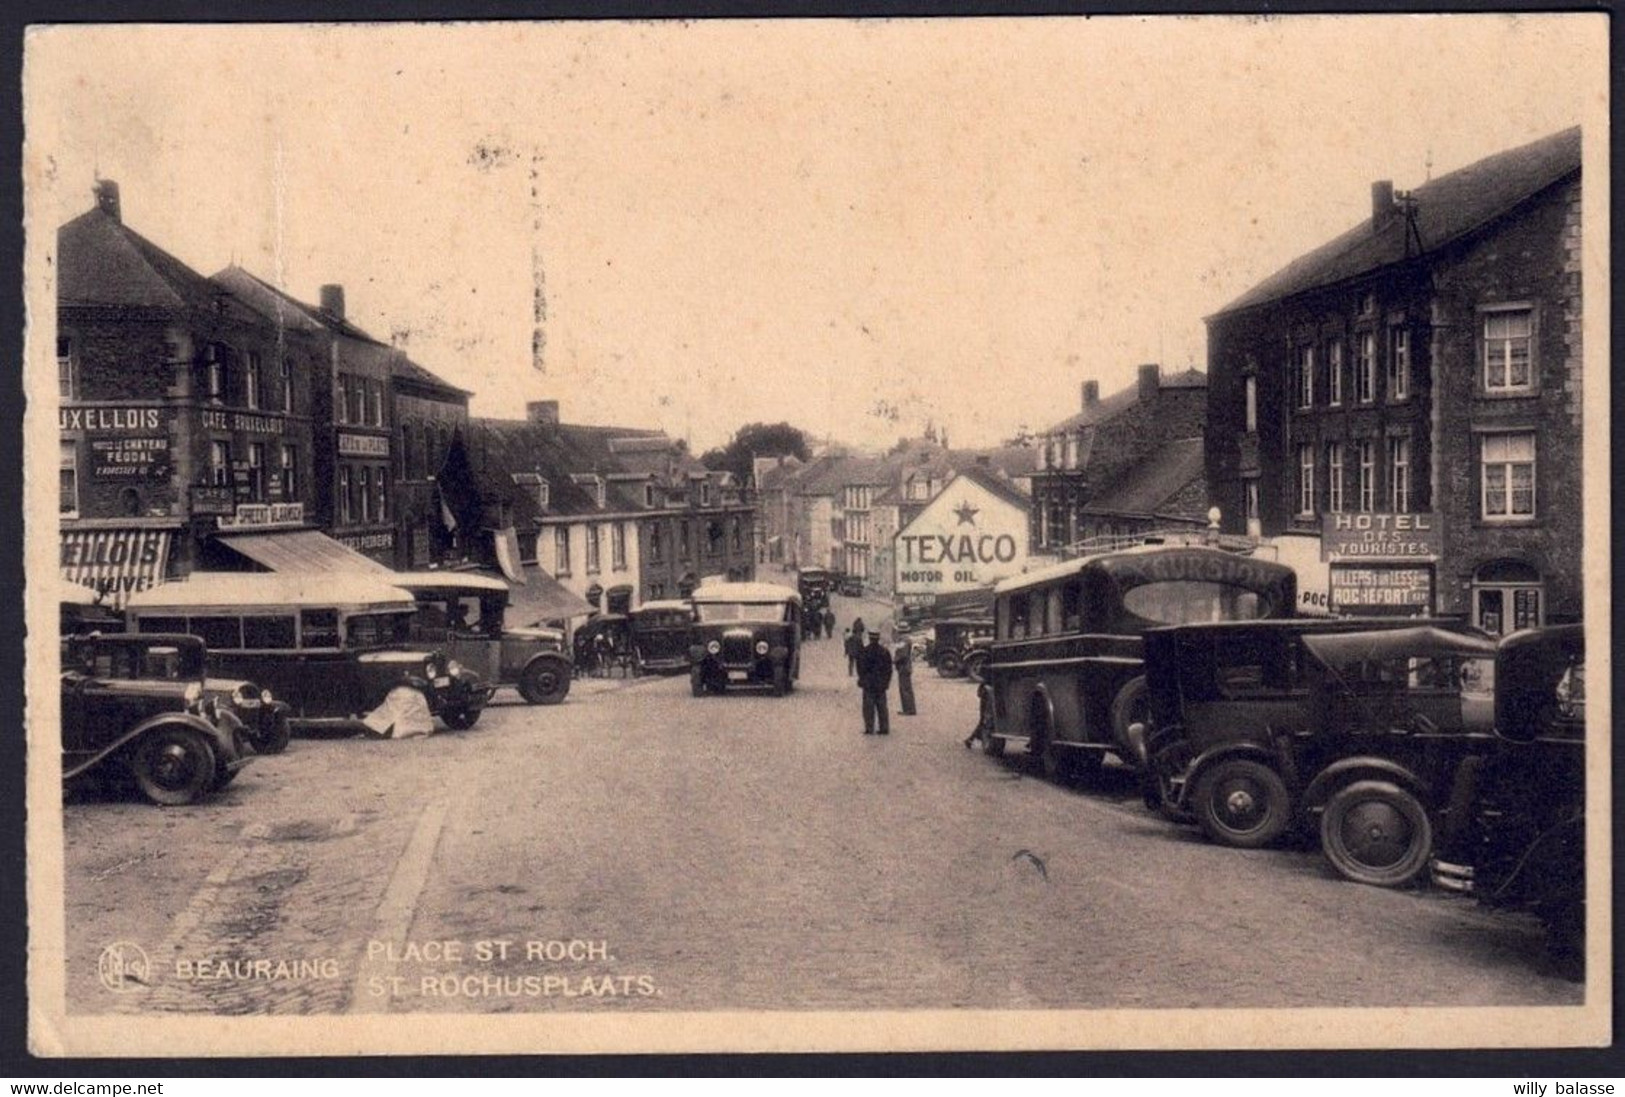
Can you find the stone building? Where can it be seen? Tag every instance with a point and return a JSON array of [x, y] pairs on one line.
[[1411, 392], [1086, 455]]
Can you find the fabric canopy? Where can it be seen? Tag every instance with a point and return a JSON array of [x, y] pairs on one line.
[[300, 550], [543, 598]]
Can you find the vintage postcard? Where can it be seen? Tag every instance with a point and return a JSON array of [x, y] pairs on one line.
[[818, 535]]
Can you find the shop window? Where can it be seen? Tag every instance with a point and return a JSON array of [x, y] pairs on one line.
[[1508, 596]]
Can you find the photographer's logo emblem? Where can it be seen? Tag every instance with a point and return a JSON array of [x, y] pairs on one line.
[[123, 966]]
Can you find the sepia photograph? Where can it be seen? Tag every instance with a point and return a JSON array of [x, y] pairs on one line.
[[818, 535]]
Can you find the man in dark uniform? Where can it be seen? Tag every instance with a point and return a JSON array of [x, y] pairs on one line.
[[874, 678]]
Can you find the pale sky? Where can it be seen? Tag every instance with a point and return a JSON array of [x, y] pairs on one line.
[[855, 226]]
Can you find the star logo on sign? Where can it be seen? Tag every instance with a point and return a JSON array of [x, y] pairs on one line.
[[967, 514]]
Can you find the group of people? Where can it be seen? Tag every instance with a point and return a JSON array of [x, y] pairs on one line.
[[820, 622], [873, 665]]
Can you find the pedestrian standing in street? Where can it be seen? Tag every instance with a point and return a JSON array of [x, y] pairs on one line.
[[829, 621], [874, 679], [984, 716], [854, 646], [903, 661]]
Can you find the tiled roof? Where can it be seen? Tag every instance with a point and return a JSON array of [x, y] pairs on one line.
[[101, 261], [998, 485], [276, 303], [1144, 488], [1107, 407], [1447, 209], [406, 369]]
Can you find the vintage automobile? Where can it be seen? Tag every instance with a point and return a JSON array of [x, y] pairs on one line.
[[1066, 662], [815, 585], [660, 636], [152, 719], [126, 657], [464, 616], [1515, 832], [1225, 699], [1388, 732], [849, 586], [333, 649], [745, 634], [951, 638], [978, 650]]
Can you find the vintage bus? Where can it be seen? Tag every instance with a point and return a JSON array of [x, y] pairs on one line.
[[1065, 665]]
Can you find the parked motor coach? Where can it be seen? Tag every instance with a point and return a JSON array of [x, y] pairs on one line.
[[1225, 702], [333, 650], [464, 616], [1514, 835], [1065, 667], [660, 636], [745, 634]]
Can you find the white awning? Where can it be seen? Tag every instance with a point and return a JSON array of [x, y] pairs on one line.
[[115, 562], [300, 550]]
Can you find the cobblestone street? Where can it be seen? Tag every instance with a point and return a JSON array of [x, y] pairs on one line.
[[637, 848]]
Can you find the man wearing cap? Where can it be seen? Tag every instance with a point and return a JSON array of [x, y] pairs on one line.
[[903, 659], [874, 678]]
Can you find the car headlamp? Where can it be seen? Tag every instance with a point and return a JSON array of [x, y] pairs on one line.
[[265, 695], [193, 695], [761, 647], [453, 667], [714, 646]]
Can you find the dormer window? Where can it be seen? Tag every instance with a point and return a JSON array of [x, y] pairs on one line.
[[648, 495], [535, 484]]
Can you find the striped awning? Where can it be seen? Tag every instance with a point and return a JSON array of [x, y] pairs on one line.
[[300, 550], [115, 562]]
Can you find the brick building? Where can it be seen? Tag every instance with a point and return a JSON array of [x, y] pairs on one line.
[[186, 415], [428, 414], [1410, 391], [1087, 454]]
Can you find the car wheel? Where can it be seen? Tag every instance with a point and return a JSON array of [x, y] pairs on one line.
[[460, 719], [545, 682], [174, 765], [976, 667], [949, 665], [1242, 803], [992, 745], [271, 740], [1131, 705], [1374, 832]]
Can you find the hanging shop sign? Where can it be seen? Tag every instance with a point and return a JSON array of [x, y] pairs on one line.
[[264, 515], [363, 445]]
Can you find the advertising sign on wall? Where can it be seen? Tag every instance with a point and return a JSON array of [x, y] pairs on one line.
[[967, 537], [1381, 536], [258, 515], [129, 458], [1382, 590]]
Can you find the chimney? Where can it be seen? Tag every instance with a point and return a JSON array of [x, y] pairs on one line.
[[545, 412], [333, 301], [1150, 381], [1091, 394], [106, 192], [1382, 204]]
